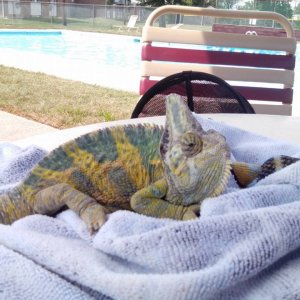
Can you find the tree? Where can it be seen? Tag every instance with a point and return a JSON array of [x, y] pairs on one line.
[[226, 4], [250, 5], [162, 20], [284, 8], [280, 6], [200, 3], [204, 3], [297, 9], [157, 3]]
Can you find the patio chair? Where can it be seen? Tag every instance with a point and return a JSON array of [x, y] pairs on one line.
[[259, 67], [130, 24]]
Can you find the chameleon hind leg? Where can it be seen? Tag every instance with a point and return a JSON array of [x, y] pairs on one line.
[[52, 199], [150, 201]]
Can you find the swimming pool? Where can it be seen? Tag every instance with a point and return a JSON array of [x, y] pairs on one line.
[[105, 49], [109, 60]]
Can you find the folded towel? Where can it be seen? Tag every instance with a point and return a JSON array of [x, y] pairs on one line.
[[245, 245]]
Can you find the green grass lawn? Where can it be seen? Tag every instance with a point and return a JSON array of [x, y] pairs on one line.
[[61, 103], [57, 102]]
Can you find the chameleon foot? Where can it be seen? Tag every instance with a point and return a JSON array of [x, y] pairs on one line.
[[94, 216]]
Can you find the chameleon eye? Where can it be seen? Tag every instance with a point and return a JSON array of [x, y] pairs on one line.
[[191, 144]]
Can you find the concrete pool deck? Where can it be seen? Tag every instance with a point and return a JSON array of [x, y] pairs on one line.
[[14, 127]]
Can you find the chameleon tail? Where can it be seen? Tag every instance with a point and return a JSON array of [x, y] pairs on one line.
[[13, 206], [247, 174]]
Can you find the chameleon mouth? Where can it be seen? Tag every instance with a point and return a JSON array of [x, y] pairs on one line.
[[220, 188], [180, 169], [203, 189]]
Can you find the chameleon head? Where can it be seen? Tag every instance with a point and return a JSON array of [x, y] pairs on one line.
[[196, 162]]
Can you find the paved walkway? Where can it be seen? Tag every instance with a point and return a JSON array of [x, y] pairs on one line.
[[13, 127]]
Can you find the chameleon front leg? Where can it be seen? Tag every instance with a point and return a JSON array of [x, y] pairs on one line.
[[52, 199], [149, 201]]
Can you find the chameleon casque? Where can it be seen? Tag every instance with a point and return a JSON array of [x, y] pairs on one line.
[[161, 172]]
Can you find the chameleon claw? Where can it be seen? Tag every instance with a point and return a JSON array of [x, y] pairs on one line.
[[195, 208], [94, 216], [192, 212], [94, 227]]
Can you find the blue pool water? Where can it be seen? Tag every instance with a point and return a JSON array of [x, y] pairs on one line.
[[105, 49], [25, 32]]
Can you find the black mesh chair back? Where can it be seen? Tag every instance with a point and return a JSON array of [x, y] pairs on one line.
[[203, 92]]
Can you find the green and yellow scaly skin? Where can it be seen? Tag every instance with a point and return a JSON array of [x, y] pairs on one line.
[[109, 165], [144, 168]]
